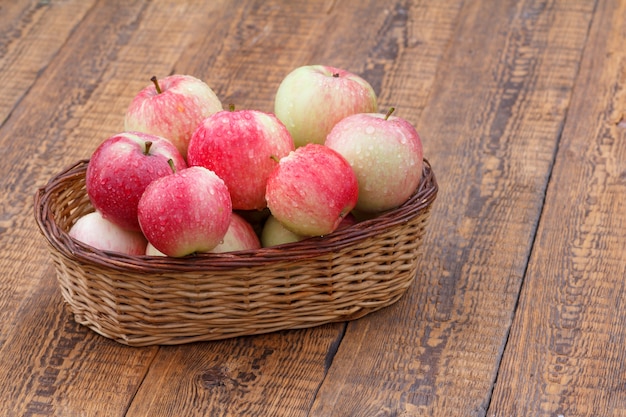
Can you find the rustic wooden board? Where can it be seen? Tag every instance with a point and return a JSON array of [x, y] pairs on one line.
[[505, 112], [50, 366], [491, 128], [571, 323], [31, 33]]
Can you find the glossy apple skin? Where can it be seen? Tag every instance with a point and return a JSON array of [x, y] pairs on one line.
[[274, 233], [312, 99], [312, 190], [186, 212], [242, 147], [239, 236], [174, 113], [94, 230], [119, 171], [386, 155]]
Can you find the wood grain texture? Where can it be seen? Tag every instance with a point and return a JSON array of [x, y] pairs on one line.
[[274, 375], [31, 33], [516, 310], [570, 317], [491, 126]]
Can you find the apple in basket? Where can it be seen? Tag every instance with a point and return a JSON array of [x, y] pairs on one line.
[[242, 147], [274, 233], [121, 168], [311, 99], [311, 190], [172, 107], [239, 236], [186, 212], [386, 154], [94, 230]]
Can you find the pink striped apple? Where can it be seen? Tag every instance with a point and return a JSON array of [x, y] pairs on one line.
[[311, 190], [172, 107], [186, 212], [94, 230], [239, 236], [121, 168], [386, 155], [242, 148]]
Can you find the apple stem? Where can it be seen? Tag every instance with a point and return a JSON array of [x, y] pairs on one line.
[[170, 162], [391, 110], [148, 145], [274, 158], [156, 84], [335, 74], [231, 107]]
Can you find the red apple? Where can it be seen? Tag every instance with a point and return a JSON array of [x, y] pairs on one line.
[[94, 230], [121, 168], [242, 148], [239, 236], [349, 220], [186, 212], [386, 155], [312, 99], [311, 190], [172, 107]]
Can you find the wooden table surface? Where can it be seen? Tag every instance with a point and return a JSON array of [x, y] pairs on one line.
[[518, 305]]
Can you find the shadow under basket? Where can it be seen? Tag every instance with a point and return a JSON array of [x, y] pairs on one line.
[[142, 300]]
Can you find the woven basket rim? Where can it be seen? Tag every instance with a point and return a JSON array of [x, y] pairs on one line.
[[72, 249]]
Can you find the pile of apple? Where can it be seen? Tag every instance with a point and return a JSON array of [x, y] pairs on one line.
[[186, 175]]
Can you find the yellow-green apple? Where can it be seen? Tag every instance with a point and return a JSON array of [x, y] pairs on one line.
[[311, 190], [242, 147], [386, 154], [186, 212], [172, 107], [121, 168], [94, 230], [274, 233], [311, 99]]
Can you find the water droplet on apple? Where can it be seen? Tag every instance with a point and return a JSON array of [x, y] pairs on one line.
[[369, 130]]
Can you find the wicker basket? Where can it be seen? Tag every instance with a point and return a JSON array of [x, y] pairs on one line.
[[140, 300]]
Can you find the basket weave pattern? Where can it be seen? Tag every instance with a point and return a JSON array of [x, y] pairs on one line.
[[141, 301]]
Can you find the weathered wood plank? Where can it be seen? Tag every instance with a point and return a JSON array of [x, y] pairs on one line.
[[31, 33], [490, 128], [273, 375], [50, 366], [565, 354]]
